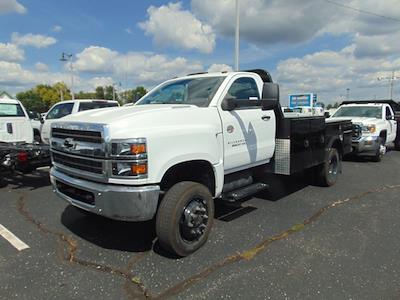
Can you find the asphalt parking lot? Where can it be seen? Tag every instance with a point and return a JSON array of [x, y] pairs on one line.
[[294, 242]]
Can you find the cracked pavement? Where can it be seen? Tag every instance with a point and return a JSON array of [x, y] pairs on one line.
[[294, 241]]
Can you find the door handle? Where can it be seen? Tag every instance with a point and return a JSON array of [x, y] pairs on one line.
[[265, 118]]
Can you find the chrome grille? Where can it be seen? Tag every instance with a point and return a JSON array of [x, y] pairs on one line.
[[357, 131], [78, 135], [83, 164]]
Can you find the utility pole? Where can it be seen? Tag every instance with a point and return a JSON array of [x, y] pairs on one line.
[[237, 37], [347, 94], [68, 57], [391, 80]]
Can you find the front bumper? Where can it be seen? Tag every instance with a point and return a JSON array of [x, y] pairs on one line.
[[118, 202], [366, 145]]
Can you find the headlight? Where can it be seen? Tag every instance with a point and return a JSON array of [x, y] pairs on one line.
[[129, 168], [135, 147], [129, 158], [369, 128]]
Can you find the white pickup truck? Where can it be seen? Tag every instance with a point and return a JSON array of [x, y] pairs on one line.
[[376, 125], [17, 147], [15, 124], [68, 107], [188, 142]]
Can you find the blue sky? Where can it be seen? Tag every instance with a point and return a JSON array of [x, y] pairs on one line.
[[309, 46]]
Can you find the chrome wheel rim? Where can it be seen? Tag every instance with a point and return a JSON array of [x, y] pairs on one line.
[[194, 219]]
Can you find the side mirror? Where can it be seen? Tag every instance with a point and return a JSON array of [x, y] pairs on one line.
[[270, 91], [327, 114], [389, 117], [267, 104], [41, 119], [228, 104]]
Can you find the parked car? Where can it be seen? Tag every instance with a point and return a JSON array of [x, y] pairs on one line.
[[376, 125], [65, 108]]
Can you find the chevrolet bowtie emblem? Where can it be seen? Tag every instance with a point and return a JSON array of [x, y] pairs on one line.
[[69, 143]]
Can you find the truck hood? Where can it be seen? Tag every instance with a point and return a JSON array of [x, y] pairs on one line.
[[117, 114], [358, 120], [151, 120]]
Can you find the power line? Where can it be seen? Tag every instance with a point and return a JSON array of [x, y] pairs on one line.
[[363, 11]]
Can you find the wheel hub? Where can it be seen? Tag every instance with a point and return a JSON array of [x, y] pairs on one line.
[[194, 219]]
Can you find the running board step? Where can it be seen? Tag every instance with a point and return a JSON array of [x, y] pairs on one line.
[[245, 192]]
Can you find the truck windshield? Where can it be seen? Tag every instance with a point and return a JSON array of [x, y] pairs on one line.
[[359, 111], [96, 104], [194, 91], [11, 110]]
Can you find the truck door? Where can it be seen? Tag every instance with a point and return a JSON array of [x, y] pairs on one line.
[[249, 132], [392, 128]]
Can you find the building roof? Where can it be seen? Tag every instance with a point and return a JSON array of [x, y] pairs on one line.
[[5, 95]]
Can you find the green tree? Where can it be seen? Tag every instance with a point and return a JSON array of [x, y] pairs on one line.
[[109, 92], [140, 91], [329, 106], [99, 93], [336, 105], [32, 101], [85, 95]]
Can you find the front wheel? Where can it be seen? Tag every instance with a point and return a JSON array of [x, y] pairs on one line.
[[380, 151], [185, 218], [328, 172]]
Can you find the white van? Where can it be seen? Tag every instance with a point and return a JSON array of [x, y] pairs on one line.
[[15, 125], [65, 108]]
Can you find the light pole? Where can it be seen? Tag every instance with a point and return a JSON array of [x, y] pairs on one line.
[[68, 57], [347, 94], [237, 36], [391, 79]]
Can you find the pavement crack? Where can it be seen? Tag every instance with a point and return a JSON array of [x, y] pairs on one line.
[[133, 285], [251, 253]]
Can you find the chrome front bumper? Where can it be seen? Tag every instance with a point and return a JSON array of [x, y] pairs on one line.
[[118, 202], [366, 145]]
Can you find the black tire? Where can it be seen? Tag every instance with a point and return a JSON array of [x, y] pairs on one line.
[[378, 156], [327, 173], [37, 138], [172, 221], [397, 144]]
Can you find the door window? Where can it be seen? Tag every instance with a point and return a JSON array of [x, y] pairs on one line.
[[388, 113], [244, 88], [60, 110]]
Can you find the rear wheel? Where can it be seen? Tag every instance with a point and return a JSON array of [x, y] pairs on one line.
[[185, 218], [397, 144], [327, 173]]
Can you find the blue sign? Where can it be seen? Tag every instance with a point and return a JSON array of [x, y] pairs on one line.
[[301, 100]]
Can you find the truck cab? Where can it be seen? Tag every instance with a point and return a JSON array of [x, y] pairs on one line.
[[189, 142], [15, 125], [375, 126], [65, 108]]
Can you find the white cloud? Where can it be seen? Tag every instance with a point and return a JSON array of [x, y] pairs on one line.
[[10, 52], [266, 21], [142, 67], [56, 28], [128, 31], [276, 21], [99, 81], [34, 40], [330, 73], [95, 59], [10, 6], [42, 67], [170, 25], [219, 68]]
